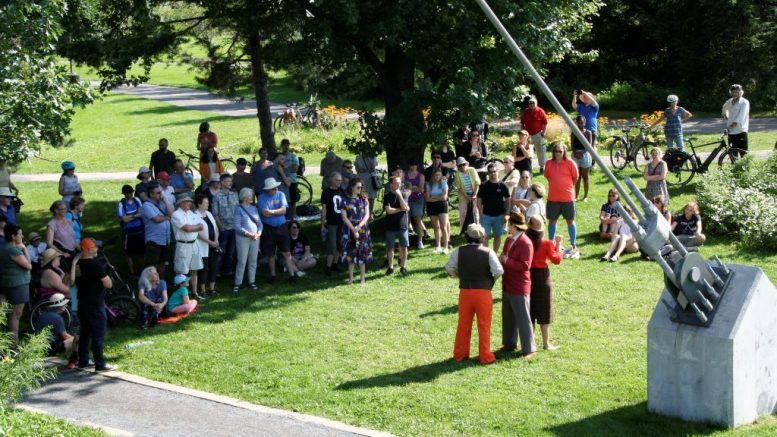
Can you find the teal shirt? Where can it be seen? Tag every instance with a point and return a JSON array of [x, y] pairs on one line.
[[13, 275], [176, 298]]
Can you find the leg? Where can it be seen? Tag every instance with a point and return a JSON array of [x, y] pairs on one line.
[[621, 246], [363, 271], [402, 255], [436, 226], [445, 227], [584, 172], [350, 273], [242, 245], [546, 336], [523, 322], [253, 259], [272, 260], [572, 229], [484, 307], [290, 266], [463, 205], [99, 328], [13, 321], [84, 340], [390, 249], [577, 182], [509, 337], [464, 328], [613, 247]]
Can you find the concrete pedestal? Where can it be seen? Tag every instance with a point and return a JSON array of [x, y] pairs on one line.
[[725, 374]]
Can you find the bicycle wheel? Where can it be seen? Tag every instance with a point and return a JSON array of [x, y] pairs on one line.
[[279, 122], [681, 171], [122, 311], [120, 287], [377, 209], [229, 165], [729, 157], [305, 191], [642, 156], [619, 154], [40, 307]]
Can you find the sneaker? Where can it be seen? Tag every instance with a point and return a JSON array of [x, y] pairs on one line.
[[550, 347], [253, 286], [300, 273], [390, 270], [573, 253], [437, 249], [236, 289], [403, 271], [71, 365], [420, 244], [84, 366], [445, 251], [107, 368]]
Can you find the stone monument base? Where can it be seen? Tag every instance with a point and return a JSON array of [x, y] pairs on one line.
[[725, 374]]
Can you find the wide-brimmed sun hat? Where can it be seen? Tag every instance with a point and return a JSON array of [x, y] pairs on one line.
[[49, 255], [57, 300], [271, 183], [183, 199], [6, 192]]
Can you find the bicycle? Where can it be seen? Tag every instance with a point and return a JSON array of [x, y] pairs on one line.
[[682, 166], [192, 163], [305, 191], [293, 114], [625, 149]]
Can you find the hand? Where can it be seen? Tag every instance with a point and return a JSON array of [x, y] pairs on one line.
[[503, 259], [213, 244], [557, 240]]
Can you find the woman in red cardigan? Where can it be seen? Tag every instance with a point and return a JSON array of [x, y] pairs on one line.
[[516, 287], [541, 285]]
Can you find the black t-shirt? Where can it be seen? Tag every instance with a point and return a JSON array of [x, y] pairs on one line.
[[162, 161], [298, 244], [430, 170], [143, 187], [91, 292], [398, 221], [333, 199], [685, 226], [447, 157], [494, 195]]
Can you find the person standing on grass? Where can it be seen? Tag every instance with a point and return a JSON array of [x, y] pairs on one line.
[[655, 174], [141, 189], [736, 112], [467, 182], [240, 178], [248, 231], [15, 267], [330, 164], [224, 204], [206, 138], [522, 152], [535, 121], [437, 208], [347, 174], [6, 208], [208, 242], [332, 221], [516, 259], [520, 198], [131, 221], [582, 158], [416, 181], [156, 223], [162, 159], [562, 174], [275, 237], [477, 268], [182, 183], [541, 298], [75, 214], [673, 129], [493, 206], [92, 282], [186, 226], [587, 107], [68, 182], [397, 207], [509, 175], [357, 244], [168, 192], [290, 167]]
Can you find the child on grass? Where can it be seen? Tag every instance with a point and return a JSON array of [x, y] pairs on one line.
[[179, 302]]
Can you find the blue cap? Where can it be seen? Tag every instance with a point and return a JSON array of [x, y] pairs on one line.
[[68, 165], [180, 279]]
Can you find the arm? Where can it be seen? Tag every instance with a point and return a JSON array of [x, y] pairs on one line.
[[686, 114], [49, 236], [323, 215], [23, 259], [55, 281], [62, 186], [520, 260], [494, 264], [452, 266], [699, 227], [554, 254], [107, 283]]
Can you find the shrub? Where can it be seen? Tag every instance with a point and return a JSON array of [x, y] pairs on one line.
[[740, 200], [625, 96], [22, 368]]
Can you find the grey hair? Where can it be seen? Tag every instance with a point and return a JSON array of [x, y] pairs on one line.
[[333, 175], [144, 283], [246, 192]]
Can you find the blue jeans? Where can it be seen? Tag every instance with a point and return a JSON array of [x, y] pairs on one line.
[[675, 142], [94, 325], [227, 245]]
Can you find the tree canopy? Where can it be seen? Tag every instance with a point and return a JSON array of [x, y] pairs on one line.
[[37, 97]]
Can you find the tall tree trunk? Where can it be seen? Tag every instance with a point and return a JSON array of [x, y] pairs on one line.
[[398, 77], [259, 76]]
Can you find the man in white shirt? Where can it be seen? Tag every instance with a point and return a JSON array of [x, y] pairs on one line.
[[736, 112], [186, 226], [168, 192]]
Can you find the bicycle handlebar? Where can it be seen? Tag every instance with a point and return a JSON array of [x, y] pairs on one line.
[[187, 154]]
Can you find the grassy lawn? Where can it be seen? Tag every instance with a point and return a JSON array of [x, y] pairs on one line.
[[379, 355], [23, 423]]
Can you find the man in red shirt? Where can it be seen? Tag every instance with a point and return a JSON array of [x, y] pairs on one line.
[[535, 121], [561, 173]]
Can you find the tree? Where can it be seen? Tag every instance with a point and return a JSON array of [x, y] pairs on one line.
[[37, 98], [438, 63]]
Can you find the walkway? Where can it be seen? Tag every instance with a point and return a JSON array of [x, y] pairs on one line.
[[126, 405]]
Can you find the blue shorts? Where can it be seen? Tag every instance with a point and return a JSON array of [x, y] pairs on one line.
[[585, 161], [494, 225], [417, 208], [404, 238], [676, 141]]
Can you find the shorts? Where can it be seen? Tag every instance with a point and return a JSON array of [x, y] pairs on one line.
[[437, 208], [294, 192], [134, 244], [404, 238], [585, 161], [156, 254], [187, 257], [275, 238], [556, 209], [493, 224], [417, 208], [16, 295]]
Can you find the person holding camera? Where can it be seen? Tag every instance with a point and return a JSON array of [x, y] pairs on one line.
[[586, 105]]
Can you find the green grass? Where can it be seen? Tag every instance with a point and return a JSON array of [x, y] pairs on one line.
[[119, 133], [20, 423], [379, 355]]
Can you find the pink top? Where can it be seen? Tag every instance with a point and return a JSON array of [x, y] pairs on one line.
[[63, 233]]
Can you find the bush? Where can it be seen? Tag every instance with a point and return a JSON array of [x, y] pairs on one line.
[[625, 96], [741, 199], [22, 368]]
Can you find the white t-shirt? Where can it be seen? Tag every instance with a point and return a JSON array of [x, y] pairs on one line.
[[204, 232], [537, 207], [181, 218], [169, 195]]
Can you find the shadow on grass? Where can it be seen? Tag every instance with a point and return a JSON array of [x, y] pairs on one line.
[[630, 420], [420, 374]]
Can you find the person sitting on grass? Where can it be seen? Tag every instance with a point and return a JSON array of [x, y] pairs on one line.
[[300, 249], [687, 226], [60, 340], [622, 240], [179, 302], [608, 216], [152, 293], [660, 204]]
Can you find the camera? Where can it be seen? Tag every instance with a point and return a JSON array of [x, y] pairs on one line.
[[579, 92]]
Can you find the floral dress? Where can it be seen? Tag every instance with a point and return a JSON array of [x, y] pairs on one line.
[[356, 249]]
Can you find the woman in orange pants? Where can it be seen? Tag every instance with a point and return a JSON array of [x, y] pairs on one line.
[[477, 267]]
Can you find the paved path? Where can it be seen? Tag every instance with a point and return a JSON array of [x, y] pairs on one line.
[[693, 126], [123, 404]]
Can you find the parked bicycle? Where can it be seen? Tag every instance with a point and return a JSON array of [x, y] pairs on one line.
[[625, 149], [192, 163], [683, 165], [293, 115]]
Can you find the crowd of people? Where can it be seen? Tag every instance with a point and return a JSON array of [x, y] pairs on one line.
[[225, 224]]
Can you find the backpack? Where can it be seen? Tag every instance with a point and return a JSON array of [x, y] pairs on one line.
[[301, 167]]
